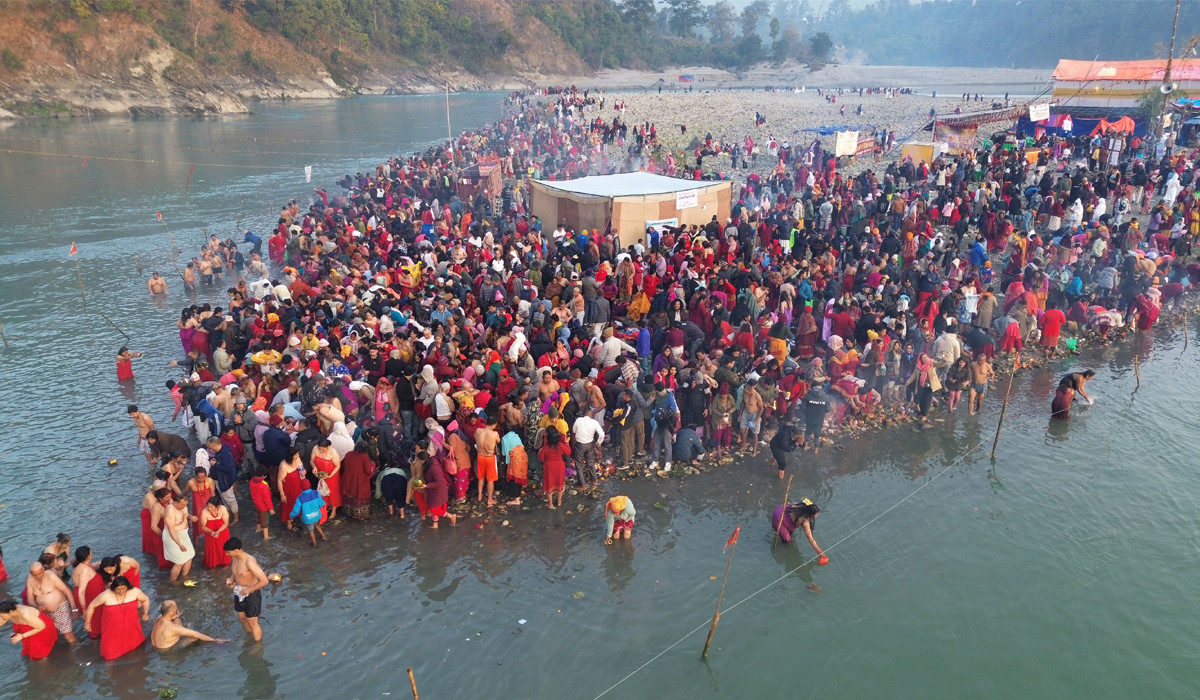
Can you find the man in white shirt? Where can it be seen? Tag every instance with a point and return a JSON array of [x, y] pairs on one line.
[[589, 437]]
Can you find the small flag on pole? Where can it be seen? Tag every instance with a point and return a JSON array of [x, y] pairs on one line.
[[74, 250], [308, 173], [158, 214], [732, 538]]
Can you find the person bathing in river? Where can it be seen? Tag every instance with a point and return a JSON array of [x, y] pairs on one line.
[[168, 630], [619, 514], [803, 515], [1068, 387]]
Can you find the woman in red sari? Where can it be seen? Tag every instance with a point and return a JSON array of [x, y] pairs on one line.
[[214, 522], [201, 488], [31, 627], [554, 467], [122, 628], [290, 483]]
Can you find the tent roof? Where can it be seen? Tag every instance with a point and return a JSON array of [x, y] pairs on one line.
[[1151, 70], [626, 184], [987, 116]]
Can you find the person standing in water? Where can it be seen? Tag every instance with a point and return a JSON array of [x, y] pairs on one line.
[[52, 597], [156, 284], [803, 515], [786, 440], [125, 363], [32, 629], [246, 579]]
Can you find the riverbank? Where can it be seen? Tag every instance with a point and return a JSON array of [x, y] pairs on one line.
[[154, 84]]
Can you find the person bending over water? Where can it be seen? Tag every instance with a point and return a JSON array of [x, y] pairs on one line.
[[1068, 387], [168, 631], [802, 515]]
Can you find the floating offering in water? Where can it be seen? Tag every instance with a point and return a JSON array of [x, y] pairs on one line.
[[813, 587], [578, 595], [275, 578], [189, 583], [113, 463]]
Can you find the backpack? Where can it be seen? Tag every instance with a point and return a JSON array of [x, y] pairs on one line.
[[664, 415]]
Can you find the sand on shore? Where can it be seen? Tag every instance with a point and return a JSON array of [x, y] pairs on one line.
[[989, 81]]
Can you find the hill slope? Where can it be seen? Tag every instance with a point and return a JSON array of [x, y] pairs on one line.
[[215, 56]]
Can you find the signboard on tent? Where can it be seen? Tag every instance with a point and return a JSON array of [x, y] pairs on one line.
[[865, 147], [687, 200], [1039, 113], [846, 143], [662, 225], [957, 138]]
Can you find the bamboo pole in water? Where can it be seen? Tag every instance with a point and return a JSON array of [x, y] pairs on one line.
[[786, 492], [412, 681], [1003, 410], [79, 277], [3, 334], [717, 614]]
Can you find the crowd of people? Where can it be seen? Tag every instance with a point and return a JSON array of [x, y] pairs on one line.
[[398, 343]]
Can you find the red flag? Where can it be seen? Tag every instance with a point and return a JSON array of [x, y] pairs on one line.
[[159, 214], [187, 184], [732, 538], [74, 250]]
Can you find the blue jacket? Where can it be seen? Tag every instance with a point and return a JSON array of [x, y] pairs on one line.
[[308, 506]]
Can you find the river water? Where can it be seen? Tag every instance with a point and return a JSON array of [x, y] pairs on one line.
[[1064, 570]]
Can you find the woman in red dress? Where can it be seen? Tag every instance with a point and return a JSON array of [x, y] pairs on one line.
[[325, 460], [34, 629], [201, 488], [214, 520], [122, 628], [554, 467], [290, 483]]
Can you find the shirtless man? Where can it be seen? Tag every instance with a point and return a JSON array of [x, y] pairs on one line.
[[144, 424], [222, 400], [52, 597], [981, 374], [189, 277], [156, 284], [752, 409], [486, 440], [206, 271], [168, 631], [246, 579], [158, 510]]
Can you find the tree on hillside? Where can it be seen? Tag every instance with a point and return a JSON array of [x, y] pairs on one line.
[[821, 46], [685, 15], [752, 13], [639, 14], [749, 49], [719, 21]]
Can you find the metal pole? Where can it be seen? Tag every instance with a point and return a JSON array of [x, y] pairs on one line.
[[717, 615], [1158, 128], [449, 131]]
